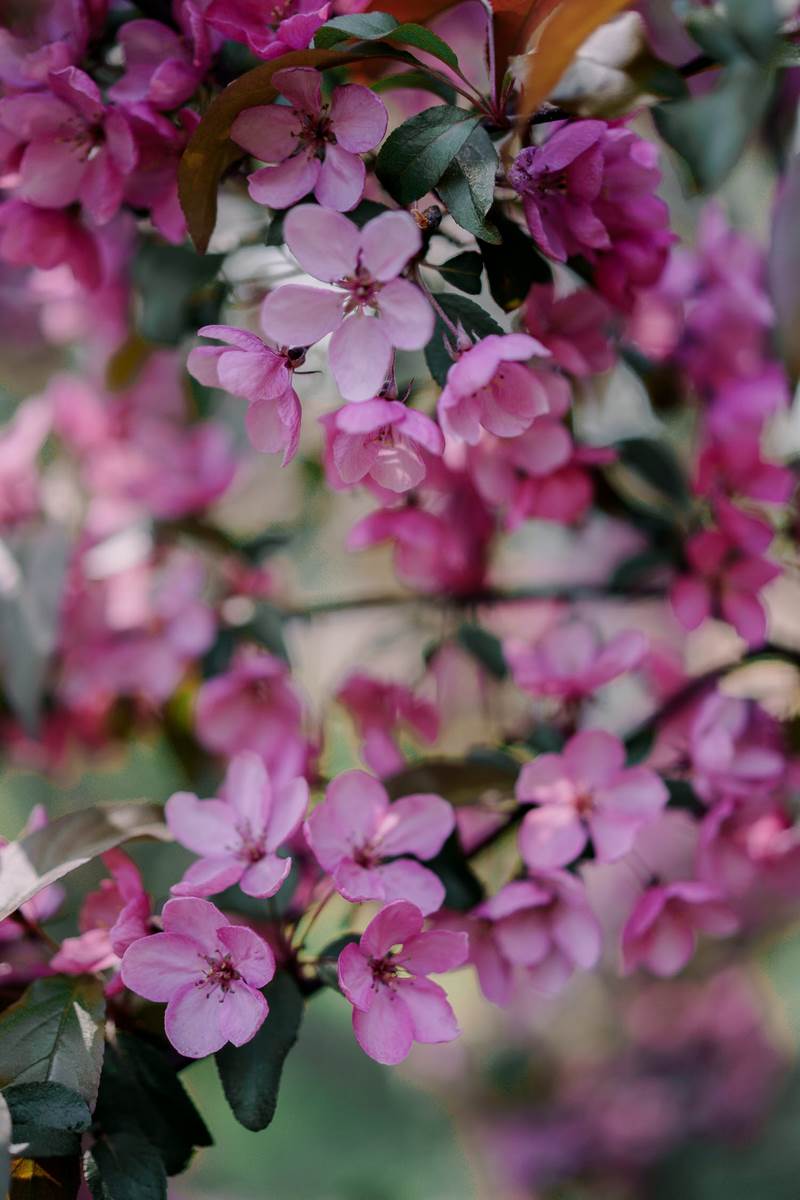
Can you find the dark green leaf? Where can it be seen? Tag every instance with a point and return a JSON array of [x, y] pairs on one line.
[[655, 462], [365, 211], [141, 1093], [414, 157], [266, 628], [47, 854], [365, 26], [125, 1166], [513, 266], [417, 80], [756, 26], [5, 1142], [274, 234], [485, 648], [784, 266], [545, 739], [37, 1141], [464, 272], [251, 1074], [50, 1104], [467, 186], [176, 289], [473, 319], [635, 571], [638, 746], [48, 1179], [463, 889], [423, 39], [55, 1033], [683, 795], [459, 782]]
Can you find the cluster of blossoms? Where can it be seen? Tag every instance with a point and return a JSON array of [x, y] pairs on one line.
[[559, 833]]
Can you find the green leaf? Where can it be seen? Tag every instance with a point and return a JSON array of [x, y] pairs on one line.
[[50, 853], [463, 889], [633, 572], [176, 288], [513, 266], [484, 647], [37, 1141], [467, 186], [5, 1142], [417, 80], [711, 132], [50, 1104], [141, 1093], [379, 26], [366, 211], [545, 739], [756, 26], [473, 319], [266, 628], [251, 1074], [464, 272], [54, 1032], [420, 38], [639, 744], [683, 795], [125, 1166], [656, 463], [459, 782], [415, 156]]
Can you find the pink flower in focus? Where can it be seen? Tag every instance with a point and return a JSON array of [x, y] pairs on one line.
[[356, 828], [370, 310], [207, 971], [163, 67], [489, 386], [76, 149], [378, 709], [315, 147], [380, 440], [394, 1003], [575, 328], [237, 836], [543, 925], [111, 919], [246, 367], [586, 792], [253, 706], [571, 662], [268, 31], [661, 932]]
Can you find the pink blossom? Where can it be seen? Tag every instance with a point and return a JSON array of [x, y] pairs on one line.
[[356, 828], [394, 1003], [379, 709], [163, 67], [111, 918], [735, 750], [247, 367], [365, 265], [575, 328], [160, 142], [237, 836], [47, 238], [379, 440], [45, 37], [315, 147], [661, 932], [586, 792], [489, 386], [750, 843], [202, 957], [571, 661], [254, 706], [76, 149], [269, 32], [733, 464], [542, 926]]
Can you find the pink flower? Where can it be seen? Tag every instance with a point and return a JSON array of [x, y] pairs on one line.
[[378, 709], [238, 835], [163, 67], [661, 932], [76, 149], [202, 957], [111, 919], [575, 328], [254, 706], [735, 750], [586, 792], [489, 386], [46, 238], [394, 1003], [160, 142], [247, 367], [364, 264], [571, 662], [380, 440], [314, 146], [745, 844], [733, 463], [44, 37], [269, 32], [543, 925], [356, 827]]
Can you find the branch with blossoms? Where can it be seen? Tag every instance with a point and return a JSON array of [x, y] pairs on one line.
[[445, 283]]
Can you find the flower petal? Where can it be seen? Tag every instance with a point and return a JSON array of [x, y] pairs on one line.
[[360, 357], [393, 925], [340, 184], [250, 954], [432, 1018], [434, 951], [208, 876], [268, 131], [355, 976], [551, 836], [385, 1031], [159, 965], [242, 1013], [406, 315], [206, 827], [286, 183], [406, 879], [192, 1021], [354, 805], [265, 877], [358, 117], [418, 824], [324, 243], [388, 242], [295, 315]]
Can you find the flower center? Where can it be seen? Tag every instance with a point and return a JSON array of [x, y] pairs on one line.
[[362, 288], [316, 131], [252, 847], [221, 974], [384, 970]]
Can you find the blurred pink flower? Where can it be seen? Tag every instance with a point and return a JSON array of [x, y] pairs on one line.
[[111, 918], [163, 66], [379, 709], [661, 932], [571, 661], [575, 328], [735, 750]]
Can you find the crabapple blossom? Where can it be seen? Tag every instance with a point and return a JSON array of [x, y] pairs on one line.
[[735, 750], [394, 1003], [237, 835], [571, 661], [268, 32], [314, 146], [356, 828], [111, 919], [163, 67], [575, 328], [585, 793], [661, 932], [207, 971], [378, 709], [489, 386], [370, 309], [379, 440]]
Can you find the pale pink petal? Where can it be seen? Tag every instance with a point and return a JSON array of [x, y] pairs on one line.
[[286, 183], [268, 131], [247, 790], [203, 364], [623, 653], [432, 1017], [206, 827], [418, 824], [357, 883], [545, 781], [242, 1013], [551, 836], [208, 876], [747, 615], [265, 427], [295, 315], [254, 376], [385, 1031], [406, 315], [613, 834], [669, 945], [355, 977], [552, 974], [353, 457], [495, 973], [192, 1021], [398, 467], [691, 601], [301, 86], [394, 924], [288, 809], [347, 819], [523, 938], [197, 919], [358, 117], [635, 792], [324, 243], [159, 965], [388, 242], [576, 931], [360, 357], [434, 951], [340, 183], [406, 879], [594, 757], [250, 954], [51, 173], [264, 877]]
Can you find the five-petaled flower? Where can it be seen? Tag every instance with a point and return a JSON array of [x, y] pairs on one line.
[[489, 386], [381, 440]]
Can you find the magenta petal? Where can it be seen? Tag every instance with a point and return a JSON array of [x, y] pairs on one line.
[[353, 456], [192, 1021], [158, 965], [358, 117], [406, 315], [266, 428], [253, 376], [242, 1013], [394, 924], [295, 315], [398, 467], [551, 836], [385, 1031], [324, 243], [669, 945], [203, 364], [196, 919], [264, 878], [418, 824], [247, 790], [206, 827], [577, 933], [283, 185], [340, 185], [250, 954], [288, 809], [434, 951], [355, 977], [406, 879], [691, 601], [357, 883], [524, 938], [495, 974], [208, 876], [594, 757], [51, 173], [360, 357], [388, 242], [301, 86], [268, 131], [432, 1017]]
